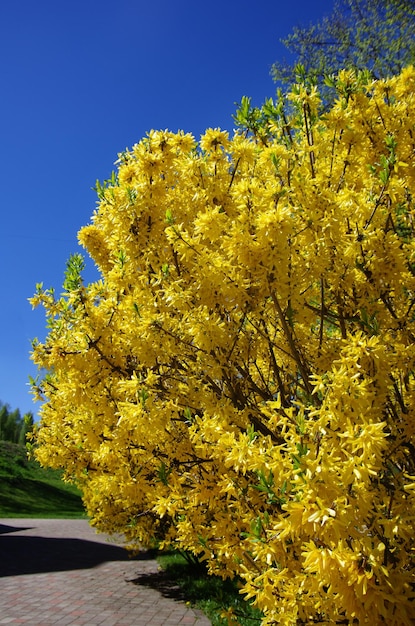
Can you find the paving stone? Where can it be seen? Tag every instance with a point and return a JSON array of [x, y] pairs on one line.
[[62, 573]]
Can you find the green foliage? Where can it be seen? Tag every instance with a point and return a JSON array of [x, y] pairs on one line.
[[219, 599], [359, 34], [74, 267]]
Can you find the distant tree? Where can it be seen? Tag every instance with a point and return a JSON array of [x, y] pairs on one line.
[[9, 423], [377, 35], [3, 418], [14, 427]]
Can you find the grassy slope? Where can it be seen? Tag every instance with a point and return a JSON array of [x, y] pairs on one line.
[[27, 490]]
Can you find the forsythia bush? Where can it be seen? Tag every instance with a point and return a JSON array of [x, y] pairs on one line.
[[240, 382]]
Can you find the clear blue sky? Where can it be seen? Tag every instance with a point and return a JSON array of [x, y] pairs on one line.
[[80, 82]]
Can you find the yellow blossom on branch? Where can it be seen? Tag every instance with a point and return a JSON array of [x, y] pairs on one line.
[[240, 381]]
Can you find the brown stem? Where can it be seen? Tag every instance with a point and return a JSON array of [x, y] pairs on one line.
[[93, 343], [320, 339], [341, 317], [294, 352], [375, 208], [309, 133]]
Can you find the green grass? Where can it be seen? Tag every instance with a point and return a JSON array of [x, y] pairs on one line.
[[210, 594], [28, 490]]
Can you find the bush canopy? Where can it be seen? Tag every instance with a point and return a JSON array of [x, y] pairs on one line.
[[240, 381]]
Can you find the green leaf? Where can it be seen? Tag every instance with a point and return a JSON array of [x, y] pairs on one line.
[[163, 473], [143, 395], [74, 267]]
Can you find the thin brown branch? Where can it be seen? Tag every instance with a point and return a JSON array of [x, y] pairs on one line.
[[305, 374], [309, 134], [322, 309], [93, 343]]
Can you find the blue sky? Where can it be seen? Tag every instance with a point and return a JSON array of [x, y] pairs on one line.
[[83, 80]]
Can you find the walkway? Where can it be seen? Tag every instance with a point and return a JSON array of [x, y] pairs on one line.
[[60, 572]]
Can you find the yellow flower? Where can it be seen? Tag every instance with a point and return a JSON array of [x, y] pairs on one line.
[[240, 383], [213, 140]]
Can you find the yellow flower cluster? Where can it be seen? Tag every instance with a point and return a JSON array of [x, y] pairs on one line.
[[240, 382]]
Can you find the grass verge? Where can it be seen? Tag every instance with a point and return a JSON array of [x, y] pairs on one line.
[[28, 490], [210, 594]]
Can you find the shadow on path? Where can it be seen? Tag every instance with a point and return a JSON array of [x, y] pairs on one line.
[[31, 555], [4, 529], [160, 581]]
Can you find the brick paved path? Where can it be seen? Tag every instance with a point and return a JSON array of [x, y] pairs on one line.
[[60, 572]]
